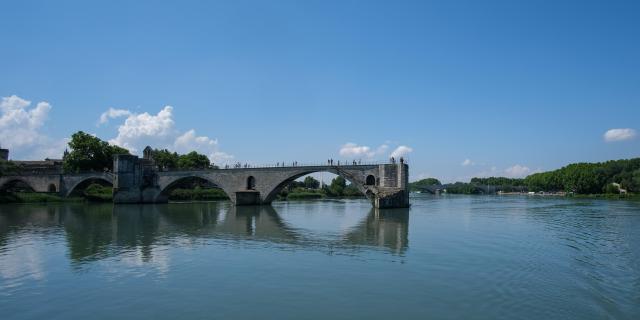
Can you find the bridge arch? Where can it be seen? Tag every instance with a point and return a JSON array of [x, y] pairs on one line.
[[168, 184], [358, 182], [11, 182], [370, 180], [86, 181]]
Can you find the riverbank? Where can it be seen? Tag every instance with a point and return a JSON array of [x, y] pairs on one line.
[[604, 196], [103, 194], [31, 197]]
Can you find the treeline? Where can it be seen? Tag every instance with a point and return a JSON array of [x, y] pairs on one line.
[[498, 181], [418, 185], [589, 178], [578, 178], [166, 159]]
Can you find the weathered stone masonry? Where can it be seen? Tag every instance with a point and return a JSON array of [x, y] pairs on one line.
[[137, 180]]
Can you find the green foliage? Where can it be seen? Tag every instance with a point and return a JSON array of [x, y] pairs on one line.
[[498, 181], [193, 160], [89, 153], [310, 189], [304, 193], [97, 192], [296, 185], [611, 189], [588, 178], [463, 188], [417, 185], [165, 159], [311, 183], [336, 188], [32, 197], [339, 188], [8, 167], [351, 191]]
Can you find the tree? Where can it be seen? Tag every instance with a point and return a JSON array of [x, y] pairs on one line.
[[165, 159], [311, 183], [7, 167], [193, 160], [337, 186], [418, 185], [634, 184], [611, 189], [89, 153]]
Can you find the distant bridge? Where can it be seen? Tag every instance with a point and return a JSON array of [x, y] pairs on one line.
[[136, 180]]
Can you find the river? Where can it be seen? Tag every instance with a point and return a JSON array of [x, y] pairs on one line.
[[447, 257]]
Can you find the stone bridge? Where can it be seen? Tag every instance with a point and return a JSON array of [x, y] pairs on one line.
[[139, 181], [52, 182]]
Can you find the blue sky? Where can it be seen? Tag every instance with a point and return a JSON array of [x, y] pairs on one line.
[[468, 88]]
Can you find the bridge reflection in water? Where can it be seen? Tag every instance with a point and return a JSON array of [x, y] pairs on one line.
[[95, 232]]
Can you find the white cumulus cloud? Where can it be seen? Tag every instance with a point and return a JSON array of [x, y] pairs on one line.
[[351, 149], [113, 114], [517, 171], [401, 151], [142, 128], [159, 131], [619, 134], [190, 141], [20, 129], [382, 149], [467, 162]]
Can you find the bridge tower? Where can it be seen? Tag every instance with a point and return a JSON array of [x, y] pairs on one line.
[[393, 187], [135, 180]]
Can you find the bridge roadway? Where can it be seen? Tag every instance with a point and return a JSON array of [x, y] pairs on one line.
[[137, 180]]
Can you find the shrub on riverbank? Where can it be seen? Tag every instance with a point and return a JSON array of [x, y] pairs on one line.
[[32, 197], [98, 193], [301, 195]]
